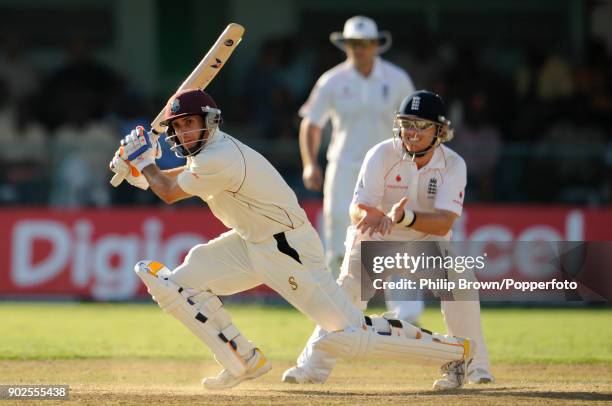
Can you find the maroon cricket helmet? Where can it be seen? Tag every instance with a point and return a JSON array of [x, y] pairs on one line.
[[186, 103]]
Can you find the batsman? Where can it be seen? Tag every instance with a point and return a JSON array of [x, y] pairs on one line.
[[270, 241]]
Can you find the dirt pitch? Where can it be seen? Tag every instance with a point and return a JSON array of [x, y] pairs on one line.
[[122, 382]]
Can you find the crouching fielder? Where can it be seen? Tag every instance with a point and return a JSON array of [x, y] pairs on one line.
[[410, 188], [270, 241]]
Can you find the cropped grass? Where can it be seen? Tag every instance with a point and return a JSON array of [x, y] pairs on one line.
[[51, 331]]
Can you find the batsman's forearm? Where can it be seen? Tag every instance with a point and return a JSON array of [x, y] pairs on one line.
[[160, 183], [310, 142], [174, 172]]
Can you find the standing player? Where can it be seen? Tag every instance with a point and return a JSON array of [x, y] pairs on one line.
[[359, 96], [270, 241], [420, 184]]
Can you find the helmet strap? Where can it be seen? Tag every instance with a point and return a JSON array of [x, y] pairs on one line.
[[418, 154]]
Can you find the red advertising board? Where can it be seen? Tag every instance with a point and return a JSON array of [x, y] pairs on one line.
[[90, 253]]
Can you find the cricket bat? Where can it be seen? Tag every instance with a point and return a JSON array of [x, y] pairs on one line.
[[203, 74]]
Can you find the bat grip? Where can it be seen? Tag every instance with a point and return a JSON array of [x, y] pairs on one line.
[[117, 178]]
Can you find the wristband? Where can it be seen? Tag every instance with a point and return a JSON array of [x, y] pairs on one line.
[[407, 219]]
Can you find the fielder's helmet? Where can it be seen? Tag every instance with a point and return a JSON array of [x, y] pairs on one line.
[[424, 105], [188, 103]]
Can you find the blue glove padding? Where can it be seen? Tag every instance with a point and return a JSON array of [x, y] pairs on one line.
[[138, 148]]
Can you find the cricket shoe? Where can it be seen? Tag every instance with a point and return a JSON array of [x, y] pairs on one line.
[[257, 365], [298, 375], [480, 376], [453, 373]]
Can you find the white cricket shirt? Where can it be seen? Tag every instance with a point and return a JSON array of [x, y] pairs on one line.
[[242, 189], [386, 177], [361, 109]]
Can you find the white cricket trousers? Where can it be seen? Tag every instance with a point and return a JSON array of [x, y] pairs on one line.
[[340, 182], [292, 263], [462, 318]]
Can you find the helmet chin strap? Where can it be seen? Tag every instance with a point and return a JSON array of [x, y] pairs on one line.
[[423, 152]]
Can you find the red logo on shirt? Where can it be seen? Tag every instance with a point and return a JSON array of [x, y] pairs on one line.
[[461, 194], [398, 178]]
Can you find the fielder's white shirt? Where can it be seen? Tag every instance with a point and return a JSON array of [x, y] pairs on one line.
[[361, 109], [388, 174], [242, 189]]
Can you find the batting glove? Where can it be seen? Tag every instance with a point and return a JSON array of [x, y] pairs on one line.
[[140, 148], [128, 172]]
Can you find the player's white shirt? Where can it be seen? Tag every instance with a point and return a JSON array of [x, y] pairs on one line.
[[349, 99], [388, 174], [242, 189]]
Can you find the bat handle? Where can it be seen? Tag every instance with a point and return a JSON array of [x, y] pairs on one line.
[[117, 179]]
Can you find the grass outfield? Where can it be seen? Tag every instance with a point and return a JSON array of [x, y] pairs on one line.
[[134, 353]]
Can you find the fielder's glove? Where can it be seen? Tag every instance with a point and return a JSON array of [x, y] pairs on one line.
[[140, 148]]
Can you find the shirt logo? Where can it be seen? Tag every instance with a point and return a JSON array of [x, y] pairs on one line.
[[398, 178], [416, 101], [432, 188]]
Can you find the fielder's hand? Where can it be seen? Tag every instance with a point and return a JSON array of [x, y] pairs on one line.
[[400, 215], [312, 176], [374, 221], [397, 210], [140, 148]]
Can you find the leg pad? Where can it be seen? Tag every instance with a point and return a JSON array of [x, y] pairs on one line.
[[202, 313]]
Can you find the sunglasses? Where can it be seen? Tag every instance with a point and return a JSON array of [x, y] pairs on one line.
[[419, 125], [356, 43]]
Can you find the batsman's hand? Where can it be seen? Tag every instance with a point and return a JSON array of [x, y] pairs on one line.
[[124, 170], [313, 177], [373, 221], [140, 148], [397, 210]]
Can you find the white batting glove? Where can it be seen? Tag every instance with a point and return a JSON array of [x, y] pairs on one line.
[[123, 168], [140, 148]]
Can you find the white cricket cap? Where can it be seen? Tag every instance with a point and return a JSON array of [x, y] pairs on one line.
[[360, 27]]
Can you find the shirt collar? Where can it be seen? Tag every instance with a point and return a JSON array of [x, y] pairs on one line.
[[438, 160], [214, 137], [377, 71]]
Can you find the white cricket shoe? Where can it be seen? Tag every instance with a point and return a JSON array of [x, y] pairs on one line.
[[298, 375], [257, 365], [453, 373], [480, 376]]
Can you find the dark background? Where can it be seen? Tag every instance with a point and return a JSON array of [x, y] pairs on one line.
[[528, 85]]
